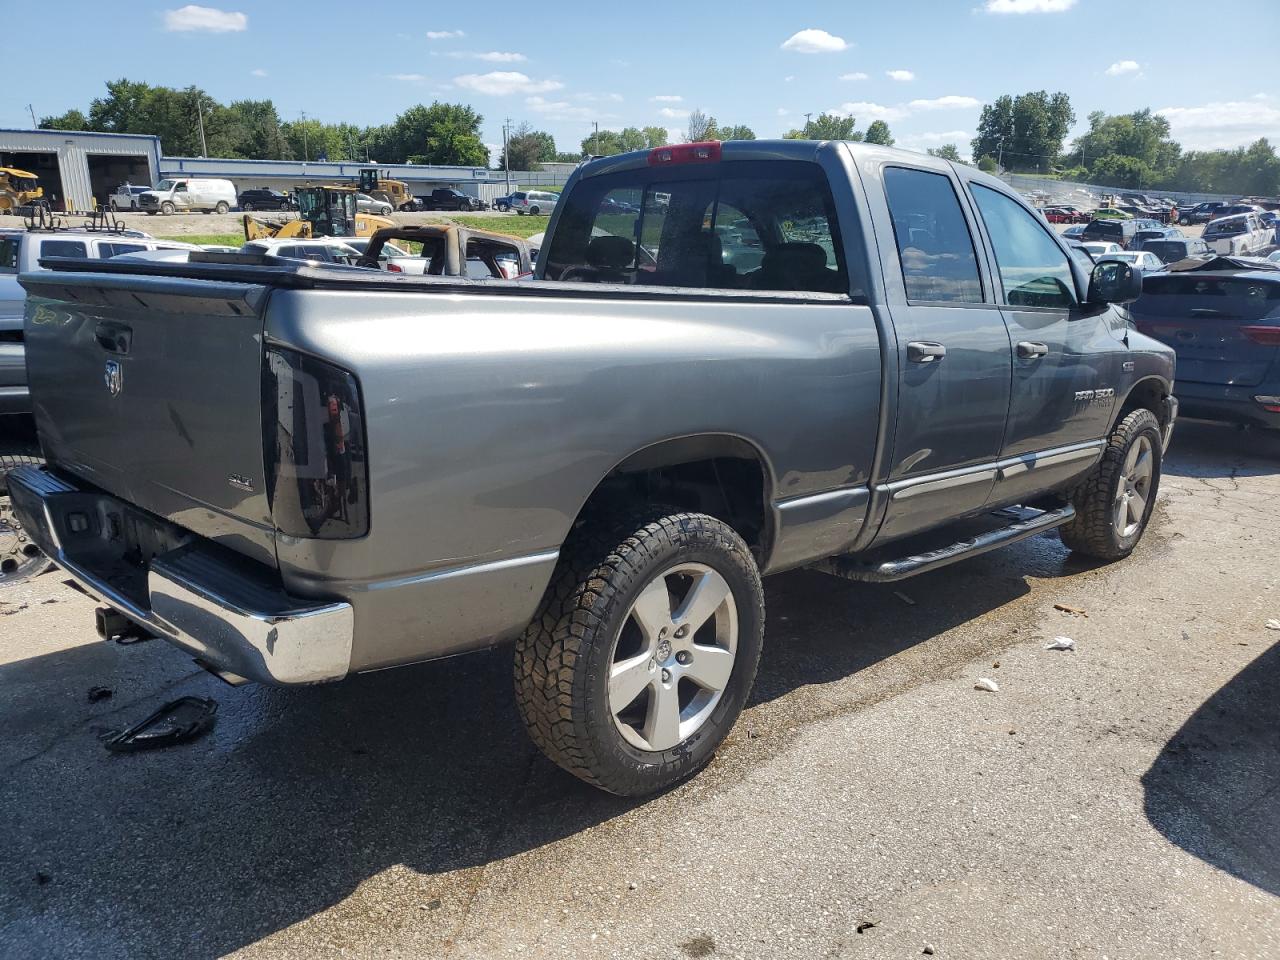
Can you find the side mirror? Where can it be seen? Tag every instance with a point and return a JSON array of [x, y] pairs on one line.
[[1114, 281]]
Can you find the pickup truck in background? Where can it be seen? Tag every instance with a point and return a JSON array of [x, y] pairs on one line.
[[446, 198], [781, 354]]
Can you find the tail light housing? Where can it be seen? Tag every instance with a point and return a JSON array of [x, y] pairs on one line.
[[1267, 336], [393, 267], [314, 448], [705, 152]]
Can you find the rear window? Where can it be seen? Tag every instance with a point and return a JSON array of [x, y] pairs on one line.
[[1105, 228], [1167, 250], [1225, 228], [9, 248], [1209, 298], [754, 225], [64, 248]]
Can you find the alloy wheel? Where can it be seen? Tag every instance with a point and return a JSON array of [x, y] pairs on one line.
[[1135, 487]]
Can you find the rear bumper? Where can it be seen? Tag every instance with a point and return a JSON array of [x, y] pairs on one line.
[[1228, 404], [221, 608]]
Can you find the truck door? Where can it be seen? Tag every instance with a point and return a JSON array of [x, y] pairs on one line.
[[1066, 354], [953, 354]]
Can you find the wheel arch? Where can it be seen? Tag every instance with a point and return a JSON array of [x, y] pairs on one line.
[[724, 475], [1149, 393]]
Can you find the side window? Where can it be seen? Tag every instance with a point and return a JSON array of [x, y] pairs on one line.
[[934, 246], [748, 225], [9, 247], [1033, 269], [64, 248], [108, 250]]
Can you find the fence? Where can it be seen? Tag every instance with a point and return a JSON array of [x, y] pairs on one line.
[[1062, 189]]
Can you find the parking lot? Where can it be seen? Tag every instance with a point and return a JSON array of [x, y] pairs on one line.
[[1118, 800]]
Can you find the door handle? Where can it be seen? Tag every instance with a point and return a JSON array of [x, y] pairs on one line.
[[925, 351], [1028, 350], [113, 337]]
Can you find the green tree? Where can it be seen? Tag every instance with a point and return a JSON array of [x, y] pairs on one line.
[[701, 127], [738, 132], [1025, 132], [878, 132], [988, 164], [1141, 135], [632, 138], [655, 137], [71, 120], [1118, 170], [826, 126], [603, 143], [528, 149], [948, 151], [443, 133]]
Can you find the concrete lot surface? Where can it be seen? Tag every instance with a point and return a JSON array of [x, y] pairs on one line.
[[1121, 800]]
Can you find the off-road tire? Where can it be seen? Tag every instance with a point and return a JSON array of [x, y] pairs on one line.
[[563, 659], [1093, 531]]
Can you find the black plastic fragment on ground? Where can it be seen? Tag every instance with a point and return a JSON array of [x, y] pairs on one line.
[[178, 721]]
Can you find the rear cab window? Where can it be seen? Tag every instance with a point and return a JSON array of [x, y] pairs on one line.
[[743, 225], [64, 248], [10, 247]]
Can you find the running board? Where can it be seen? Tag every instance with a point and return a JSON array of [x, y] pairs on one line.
[[858, 568]]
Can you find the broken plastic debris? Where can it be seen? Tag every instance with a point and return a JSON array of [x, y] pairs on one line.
[[1061, 643], [987, 684], [1273, 624], [176, 722], [904, 598], [1066, 609]]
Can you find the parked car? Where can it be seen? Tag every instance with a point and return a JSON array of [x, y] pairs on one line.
[[1232, 209], [392, 258], [1075, 213], [1201, 212], [1153, 233], [1099, 249], [1119, 232], [536, 202], [1224, 325], [1239, 235], [186, 194], [1149, 262], [452, 251], [1173, 249], [1270, 218], [600, 465], [503, 204], [316, 249], [1111, 213], [21, 252], [1073, 233], [260, 198], [379, 208], [1054, 215], [127, 197], [446, 198]]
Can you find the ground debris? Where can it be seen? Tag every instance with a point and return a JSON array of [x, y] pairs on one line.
[[1272, 624], [928, 950], [987, 684], [864, 925], [904, 598], [176, 722], [1061, 643], [1072, 610], [98, 694]]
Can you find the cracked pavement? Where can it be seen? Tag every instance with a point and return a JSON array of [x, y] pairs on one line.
[[1121, 799]]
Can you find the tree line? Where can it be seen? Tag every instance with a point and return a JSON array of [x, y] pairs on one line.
[[1026, 134]]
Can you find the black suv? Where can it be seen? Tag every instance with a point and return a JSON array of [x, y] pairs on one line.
[[1110, 231], [264, 199], [1201, 212]]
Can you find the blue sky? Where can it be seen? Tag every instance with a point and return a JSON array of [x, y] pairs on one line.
[[925, 66]]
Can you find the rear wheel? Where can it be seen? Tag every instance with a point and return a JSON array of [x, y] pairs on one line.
[[221, 207], [247, 207], [1114, 504], [644, 651], [533, 211]]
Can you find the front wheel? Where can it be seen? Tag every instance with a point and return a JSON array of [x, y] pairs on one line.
[[167, 208], [1114, 503], [643, 652]]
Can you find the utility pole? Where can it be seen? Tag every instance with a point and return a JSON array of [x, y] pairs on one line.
[[32, 111], [595, 139], [306, 153], [204, 149], [506, 151]]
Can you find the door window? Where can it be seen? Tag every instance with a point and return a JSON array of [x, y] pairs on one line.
[[108, 250], [1034, 271], [64, 248], [934, 245]]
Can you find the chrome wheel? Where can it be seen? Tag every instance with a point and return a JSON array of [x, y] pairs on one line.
[[1134, 488], [673, 657]]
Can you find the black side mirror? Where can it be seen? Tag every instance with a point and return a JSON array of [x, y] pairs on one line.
[[1114, 281]]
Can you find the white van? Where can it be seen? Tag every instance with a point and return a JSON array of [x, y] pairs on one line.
[[188, 194]]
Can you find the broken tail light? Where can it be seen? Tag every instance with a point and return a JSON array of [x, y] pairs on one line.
[[314, 448]]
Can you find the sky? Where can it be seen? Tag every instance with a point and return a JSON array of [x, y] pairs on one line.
[[924, 66]]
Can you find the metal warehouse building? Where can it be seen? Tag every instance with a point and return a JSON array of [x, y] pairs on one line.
[[75, 167]]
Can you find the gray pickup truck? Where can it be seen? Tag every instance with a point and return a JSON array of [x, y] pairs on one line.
[[735, 359]]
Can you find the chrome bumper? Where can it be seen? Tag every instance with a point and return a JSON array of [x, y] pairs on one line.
[[198, 596]]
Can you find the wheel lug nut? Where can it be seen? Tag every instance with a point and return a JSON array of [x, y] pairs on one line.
[[666, 675], [684, 656], [682, 632], [662, 634]]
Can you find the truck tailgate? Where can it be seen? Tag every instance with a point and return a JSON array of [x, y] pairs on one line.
[[151, 388]]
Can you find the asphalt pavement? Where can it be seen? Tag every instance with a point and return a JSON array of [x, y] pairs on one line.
[[1118, 800]]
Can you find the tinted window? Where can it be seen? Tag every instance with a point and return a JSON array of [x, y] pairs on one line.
[[1033, 269], [697, 226], [107, 250], [9, 247], [1188, 295], [934, 246], [63, 248]]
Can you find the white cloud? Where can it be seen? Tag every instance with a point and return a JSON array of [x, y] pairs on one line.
[[946, 103], [598, 97], [444, 34], [503, 83], [814, 41], [857, 75], [667, 98], [1121, 67], [561, 109], [783, 111], [788, 79], [1232, 123], [902, 76], [673, 113], [1028, 6], [960, 138], [408, 77], [864, 110], [192, 18], [259, 72], [492, 56]]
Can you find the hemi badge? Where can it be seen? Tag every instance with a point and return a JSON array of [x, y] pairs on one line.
[[240, 483], [1127, 366]]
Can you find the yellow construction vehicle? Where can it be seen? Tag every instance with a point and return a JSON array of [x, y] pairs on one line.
[[328, 211], [18, 189], [394, 192]]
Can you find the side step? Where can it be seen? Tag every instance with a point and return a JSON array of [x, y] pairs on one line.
[[1028, 523]]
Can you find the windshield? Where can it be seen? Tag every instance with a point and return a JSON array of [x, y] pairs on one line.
[[164, 186], [1226, 228]]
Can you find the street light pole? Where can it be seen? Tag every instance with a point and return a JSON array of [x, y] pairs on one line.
[[595, 139], [506, 151], [306, 152], [204, 148]]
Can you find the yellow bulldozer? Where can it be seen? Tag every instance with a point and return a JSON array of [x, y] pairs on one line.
[[18, 189], [380, 187], [327, 211]]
